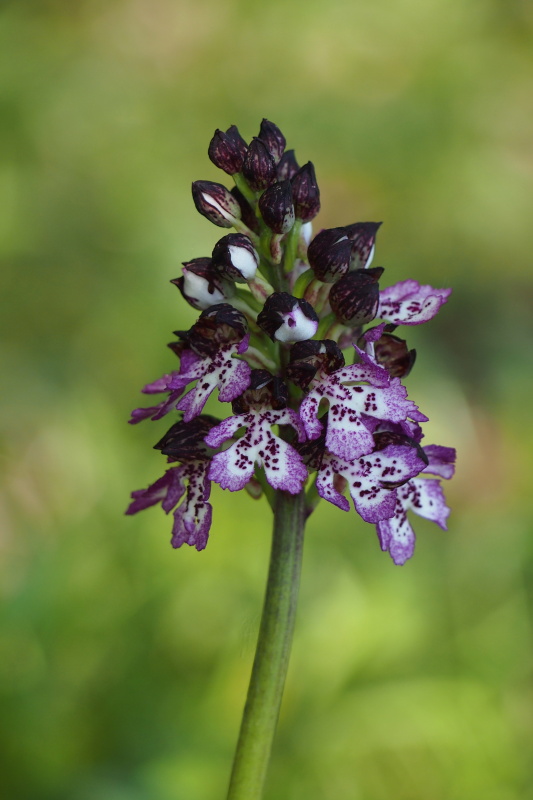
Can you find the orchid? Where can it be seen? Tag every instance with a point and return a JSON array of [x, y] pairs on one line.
[[280, 314]]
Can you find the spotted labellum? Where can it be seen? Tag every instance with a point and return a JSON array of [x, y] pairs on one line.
[[302, 336]]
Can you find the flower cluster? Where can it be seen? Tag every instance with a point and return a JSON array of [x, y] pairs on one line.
[[281, 312]]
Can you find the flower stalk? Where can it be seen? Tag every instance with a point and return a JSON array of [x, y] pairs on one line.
[[273, 649]]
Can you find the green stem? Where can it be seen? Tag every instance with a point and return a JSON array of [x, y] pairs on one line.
[[245, 190], [273, 648], [291, 246]]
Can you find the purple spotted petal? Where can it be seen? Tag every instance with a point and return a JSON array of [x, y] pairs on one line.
[[441, 460], [233, 468], [410, 303], [397, 536], [229, 374], [235, 381], [355, 373], [194, 533], [289, 417], [284, 468], [325, 486], [426, 498], [347, 435], [369, 478], [192, 367], [223, 431], [308, 415], [192, 520]]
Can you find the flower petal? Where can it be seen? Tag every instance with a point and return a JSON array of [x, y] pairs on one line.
[[166, 490], [397, 536], [233, 468], [410, 303], [441, 460], [189, 530], [223, 431], [426, 498], [284, 468]]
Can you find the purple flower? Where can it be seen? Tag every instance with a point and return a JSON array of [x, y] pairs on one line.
[[347, 434], [410, 303], [230, 375], [283, 465], [373, 479], [219, 334], [192, 517], [425, 497]]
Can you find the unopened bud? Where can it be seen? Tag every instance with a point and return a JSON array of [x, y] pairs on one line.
[[392, 353], [265, 391], [200, 285], [271, 135], [216, 326], [288, 166], [276, 207], [329, 254], [355, 297], [185, 440], [307, 358], [305, 193], [235, 258], [258, 167], [216, 203], [363, 238], [227, 150], [287, 319]]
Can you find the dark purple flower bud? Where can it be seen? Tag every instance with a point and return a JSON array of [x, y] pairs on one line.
[[271, 135], [227, 150], [247, 212], [234, 257], [258, 167], [363, 238], [276, 207], [391, 353], [288, 166], [287, 319], [329, 254], [217, 326], [355, 297], [185, 440], [308, 357], [305, 193], [265, 391], [200, 284], [216, 203]]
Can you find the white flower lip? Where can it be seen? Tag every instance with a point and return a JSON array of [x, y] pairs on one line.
[[212, 202], [296, 327], [197, 288], [243, 260]]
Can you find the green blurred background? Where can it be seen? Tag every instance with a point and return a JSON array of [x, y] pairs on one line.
[[123, 663]]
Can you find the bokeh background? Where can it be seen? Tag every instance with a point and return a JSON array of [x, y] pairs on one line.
[[124, 664]]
